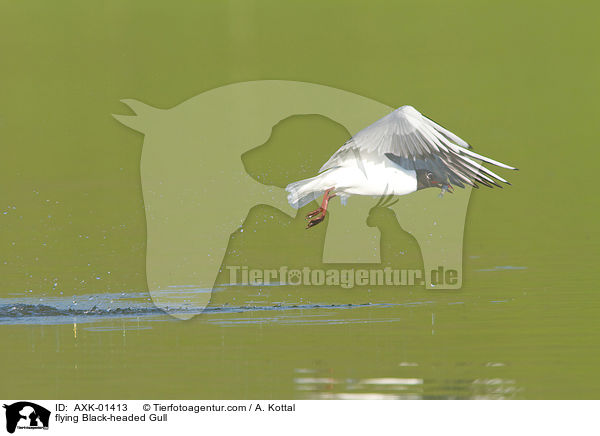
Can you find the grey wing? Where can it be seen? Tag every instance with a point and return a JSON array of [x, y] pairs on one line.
[[413, 141]]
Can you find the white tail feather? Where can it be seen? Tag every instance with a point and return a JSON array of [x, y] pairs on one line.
[[304, 191]]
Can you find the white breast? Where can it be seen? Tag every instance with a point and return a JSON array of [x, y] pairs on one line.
[[373, 175]]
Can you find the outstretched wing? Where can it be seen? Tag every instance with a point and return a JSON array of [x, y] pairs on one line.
[[413, 141]]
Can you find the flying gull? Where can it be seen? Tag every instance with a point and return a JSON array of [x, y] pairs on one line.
[[401, 153]]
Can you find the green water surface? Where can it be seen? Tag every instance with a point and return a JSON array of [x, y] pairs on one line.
[[518, 80]]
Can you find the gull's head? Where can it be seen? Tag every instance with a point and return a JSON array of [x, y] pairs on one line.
[[429, 179]]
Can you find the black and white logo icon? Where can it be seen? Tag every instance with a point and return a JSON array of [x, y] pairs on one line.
[[26, 415]]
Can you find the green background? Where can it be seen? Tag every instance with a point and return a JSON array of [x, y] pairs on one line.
[[518, 80]]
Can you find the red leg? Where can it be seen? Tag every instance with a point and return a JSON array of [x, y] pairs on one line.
[[318, 215]]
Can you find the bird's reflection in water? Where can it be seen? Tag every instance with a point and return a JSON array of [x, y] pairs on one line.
[[314, 384]]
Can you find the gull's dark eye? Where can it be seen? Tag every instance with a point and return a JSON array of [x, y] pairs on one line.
[[429, 175]]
